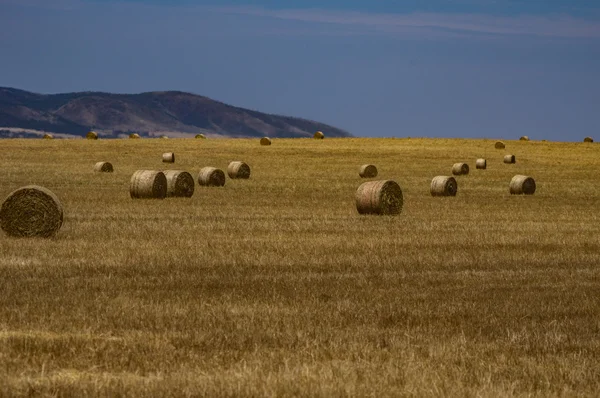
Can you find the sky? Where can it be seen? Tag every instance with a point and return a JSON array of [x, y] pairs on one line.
[[395, 68]]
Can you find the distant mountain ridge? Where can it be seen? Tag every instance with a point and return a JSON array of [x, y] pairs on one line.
[[148, 113]]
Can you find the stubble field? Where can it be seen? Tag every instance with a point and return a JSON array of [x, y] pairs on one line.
[[275, 286]]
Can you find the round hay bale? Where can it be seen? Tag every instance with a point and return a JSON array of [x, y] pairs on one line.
[[163, 137], [92, 135], [134, 136], [524, 138], [238, 170], [459, 169], [179, 184], [103, 167], [379, 197], [444, 186], [367, 171], [168, 157], [319, 135], [481, 164], [31, 211], [522, 185], [509, 159], [201, 136], [499, 145], [588, 139], [211, 177], [148, 184], [48, 136], [265, 141]]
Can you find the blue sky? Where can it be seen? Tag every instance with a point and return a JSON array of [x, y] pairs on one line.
[[438, 68]]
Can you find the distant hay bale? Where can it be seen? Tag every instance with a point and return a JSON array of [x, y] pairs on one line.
[[522, 185], [367, 171], [103, 167], [31, 211], [48, 136], [524, 138], [510, 159], [238, 170], [202, 136], [481, 164], [265, 141], [92, 135], [134, 136], [499, 145], [148, 184], [179, 183], [588, 139], [319, 135], [379, 197], [163, 136], [168, 157], [459, 169], [444, 186], [211, 177]]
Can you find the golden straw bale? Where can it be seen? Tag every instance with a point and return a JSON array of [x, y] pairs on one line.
[[163, 137], [379, 197], [522, 185], [509, 159], [265, 141], [202, 136], [588, 139], [134, 136], [319, 135], [168, 157], [524, 138], [103, 167], [444, 186], [367, 171], [481, 164], [31, 211], [148, 184], [211, 177], [459, 169], [48, 136], [92, 135], [238, 170], [179, 183], [499, 145]]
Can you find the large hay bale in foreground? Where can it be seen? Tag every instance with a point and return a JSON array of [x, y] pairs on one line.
[[379, 197], [211, 177], [148, 184], [134, 136], [499, 145], [238, 170], [510, 159], [524, 138], [201, 136], [31, 211], [319, 135], [367, 171], [92, 135], [443, 186], [588, 139], [103, 167], [459, 169], [179, 183], [265, 141], [168, 157], [48, 136], [481, 164], [522, 185]]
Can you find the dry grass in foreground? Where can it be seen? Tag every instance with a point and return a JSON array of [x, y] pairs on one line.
[[275, 286]]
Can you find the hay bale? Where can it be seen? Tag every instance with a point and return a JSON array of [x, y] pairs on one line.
[[588, 139], [31, 211], [168, 157], [319, 135], [92, 135], [211, 177], [522, 185], [134, 136], [379, 197], [524, 138], [201, 136], [265, 141], [179, 183], [444, 186], [481, 164], [163, 137], [367, 171], [509, 159], [238, 170], [148, 184], [459, 169], [103, 167], [48, 136], [499, 145]]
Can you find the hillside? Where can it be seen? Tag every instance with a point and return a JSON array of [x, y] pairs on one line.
[[149, 113]]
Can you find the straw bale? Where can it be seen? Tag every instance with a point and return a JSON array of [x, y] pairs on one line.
[[168, 157], [522, 185], [265, 141], [379, 197], [179, 183], [319, 135], [238, 170], [211, 177], [588, 139], [459, 169], [48, 136], [481, 164], [103, 167], [367, 171], [92, 135], [509, 159], [444, 186], [148, 184], [202, 136], [499, 145]]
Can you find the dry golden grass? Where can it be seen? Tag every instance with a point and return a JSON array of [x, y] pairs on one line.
[[275, 286]]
